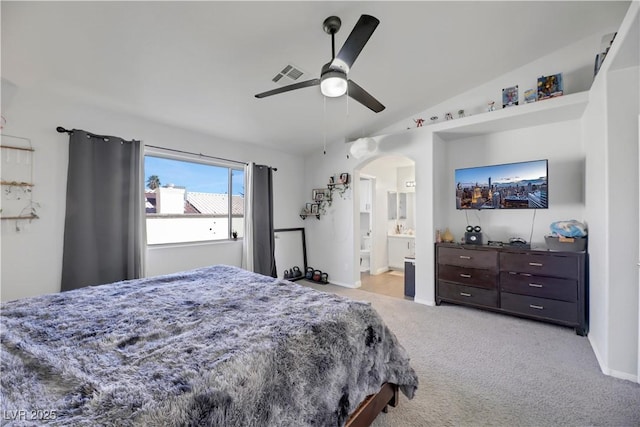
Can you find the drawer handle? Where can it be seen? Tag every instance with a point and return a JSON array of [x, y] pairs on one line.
[[535, 264], [537, 307], [464, 294], [466, 276], [535, 285], [465, 257]]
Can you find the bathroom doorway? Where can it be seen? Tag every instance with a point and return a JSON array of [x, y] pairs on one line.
[[386, 232]]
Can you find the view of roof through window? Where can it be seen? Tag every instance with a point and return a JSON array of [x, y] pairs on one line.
[[189, 202]]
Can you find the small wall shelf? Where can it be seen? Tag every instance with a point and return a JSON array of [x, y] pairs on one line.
[[553, 110], [305, 216], [20, 217], [326, 196], [16, 184]]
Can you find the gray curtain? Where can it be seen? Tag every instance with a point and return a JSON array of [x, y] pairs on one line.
[[264, 261], [103, 234]]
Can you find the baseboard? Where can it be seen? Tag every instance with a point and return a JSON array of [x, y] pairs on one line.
[[424, 302], [612, 372], [345, 285], [380, 271], [623, 375], [603, 366]]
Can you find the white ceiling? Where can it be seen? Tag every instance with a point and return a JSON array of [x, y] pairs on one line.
[[198, 65]]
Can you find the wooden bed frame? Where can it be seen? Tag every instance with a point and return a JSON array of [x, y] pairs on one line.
[[369, 409]]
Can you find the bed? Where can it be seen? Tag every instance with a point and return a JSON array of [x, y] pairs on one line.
[[216, 346]]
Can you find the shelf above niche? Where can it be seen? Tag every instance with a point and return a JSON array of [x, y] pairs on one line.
[[553, 110]]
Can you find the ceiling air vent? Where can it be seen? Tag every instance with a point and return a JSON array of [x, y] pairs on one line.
[[289, 75]]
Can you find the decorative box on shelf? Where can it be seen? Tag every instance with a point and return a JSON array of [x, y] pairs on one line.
[[566, 244]]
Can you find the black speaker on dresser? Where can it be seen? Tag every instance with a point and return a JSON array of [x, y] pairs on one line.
[[473, 235]]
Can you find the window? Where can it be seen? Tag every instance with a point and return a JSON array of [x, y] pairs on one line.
[[187, 200]]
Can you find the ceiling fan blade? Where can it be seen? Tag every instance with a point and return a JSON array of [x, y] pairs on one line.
[[354, 44], [308, 83], [364, 98]]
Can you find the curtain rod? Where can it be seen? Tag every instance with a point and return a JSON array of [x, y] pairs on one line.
[[197, 154], [203, 155], [63, 130], [60, 129]]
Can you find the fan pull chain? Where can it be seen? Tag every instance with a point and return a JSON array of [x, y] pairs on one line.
[[324, 124]]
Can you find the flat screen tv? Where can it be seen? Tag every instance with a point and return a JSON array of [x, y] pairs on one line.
[[520, 185]]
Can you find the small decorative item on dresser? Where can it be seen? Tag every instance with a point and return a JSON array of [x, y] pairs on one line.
[[448, 116], [566, 244], [460, 114], [447, 237], [491, 106], [438, 237]]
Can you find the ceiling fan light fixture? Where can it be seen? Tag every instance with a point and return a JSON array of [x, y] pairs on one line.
[[333, 84]]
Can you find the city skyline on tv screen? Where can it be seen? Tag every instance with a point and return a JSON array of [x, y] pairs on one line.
[[520, 185]]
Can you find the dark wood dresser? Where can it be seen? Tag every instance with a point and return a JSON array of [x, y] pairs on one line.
[[537, 284]]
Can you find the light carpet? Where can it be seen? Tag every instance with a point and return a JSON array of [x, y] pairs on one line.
[[478, 368]]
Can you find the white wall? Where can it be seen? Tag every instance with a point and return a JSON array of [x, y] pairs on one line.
[[165, 259], [32, 259], [597, 212], [560, 143], [575, 62], [337, 226], [610, 135]]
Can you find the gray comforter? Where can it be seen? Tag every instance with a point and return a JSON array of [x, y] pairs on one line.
[[215, 346]]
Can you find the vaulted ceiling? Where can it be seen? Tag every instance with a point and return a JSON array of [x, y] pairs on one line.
[[198, 65]]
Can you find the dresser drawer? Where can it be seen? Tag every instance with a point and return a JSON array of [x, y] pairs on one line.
[[467, 294], [543, 264], [540, 307], [468, 258], [539, 286], [468, 276]]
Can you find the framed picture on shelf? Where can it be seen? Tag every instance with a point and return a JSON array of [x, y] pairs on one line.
[[308, 207], [529, 96], [510, 96], [320, 194], [344, 178], [550, 86], [315, 208]]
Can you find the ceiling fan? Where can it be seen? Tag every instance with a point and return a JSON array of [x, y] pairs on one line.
[[333, 79]]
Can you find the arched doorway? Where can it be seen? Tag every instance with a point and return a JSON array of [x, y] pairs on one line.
[[385, 231]]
